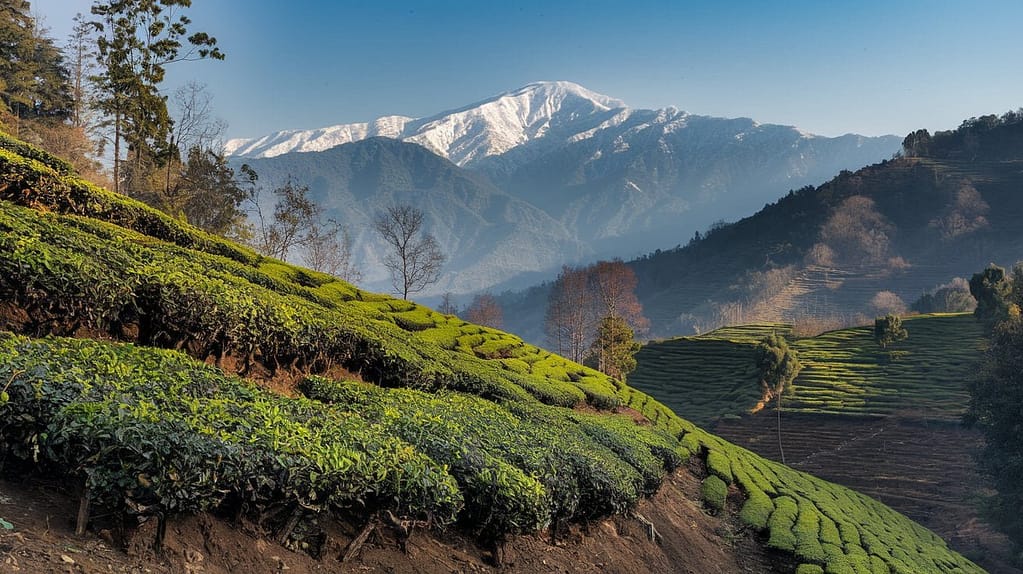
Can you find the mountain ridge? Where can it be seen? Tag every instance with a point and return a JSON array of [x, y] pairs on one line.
[[509, 119], [486, 234], [527, 110]]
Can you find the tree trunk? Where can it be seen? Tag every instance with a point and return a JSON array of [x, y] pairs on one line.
[[117, 150], [778, 410], [83, 512]]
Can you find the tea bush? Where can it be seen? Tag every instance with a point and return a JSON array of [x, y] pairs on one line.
[[456, 423]]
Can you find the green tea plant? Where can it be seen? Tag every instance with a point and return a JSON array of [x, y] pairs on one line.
[[455, 423]]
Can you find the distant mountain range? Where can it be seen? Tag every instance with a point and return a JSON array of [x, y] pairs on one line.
[[551, 173], [820, 255]]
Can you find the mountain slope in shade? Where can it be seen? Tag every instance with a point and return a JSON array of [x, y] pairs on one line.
[[487, 235], [643, 176]]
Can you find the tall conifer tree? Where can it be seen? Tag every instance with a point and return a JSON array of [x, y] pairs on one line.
[[137, 40]]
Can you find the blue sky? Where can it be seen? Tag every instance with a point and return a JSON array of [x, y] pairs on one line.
[[830, 67]]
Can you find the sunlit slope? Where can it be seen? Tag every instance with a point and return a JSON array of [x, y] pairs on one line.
[[844, 372], [405, 409]]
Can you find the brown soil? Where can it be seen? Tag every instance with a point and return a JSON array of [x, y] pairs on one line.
[[691, 541], [923, 470]]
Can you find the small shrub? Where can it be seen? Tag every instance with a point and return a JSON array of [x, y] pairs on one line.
[[714, 491]]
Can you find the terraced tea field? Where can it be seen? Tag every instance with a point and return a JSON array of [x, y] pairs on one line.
[[925, 470], [883, 425], [712, 376]]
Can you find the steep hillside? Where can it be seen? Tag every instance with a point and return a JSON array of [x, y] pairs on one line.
[[616, 181], [386, 416], [881, 425], [487, 235]]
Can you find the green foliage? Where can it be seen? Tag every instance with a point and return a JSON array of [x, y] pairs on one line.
[[996, 404], [829, 525], [953, 297], [164, 431], [136, 41], [778, 365], [781, 522], [757, 509], [614, 349], [33, 78], [889, 330], [809, 569], [20, 148], [844, 372], [714, 491], [438, 430], [514, 481], [719, 465], [991, 288]]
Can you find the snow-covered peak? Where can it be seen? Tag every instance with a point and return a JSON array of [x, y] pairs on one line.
[[498, 124], [489, 127], [315, 140], [562, 90]]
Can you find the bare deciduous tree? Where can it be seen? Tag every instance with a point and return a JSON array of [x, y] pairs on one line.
[[965, 213], [294, 215], [571, 317], [614, 284], [887, 303], [485, 310], [447, 304], [857, 233], [194, 127], [329, 250], [582, 298], [415, 259]]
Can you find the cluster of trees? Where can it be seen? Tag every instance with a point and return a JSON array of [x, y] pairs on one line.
[[593, 315], [976, 136], [996, 395], [100, 96], [484, 309], [295, 223], [952, 297], [856, 233], [41, 87]]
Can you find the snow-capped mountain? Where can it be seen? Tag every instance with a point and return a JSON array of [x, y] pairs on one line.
[[618, 181], [488, 128]]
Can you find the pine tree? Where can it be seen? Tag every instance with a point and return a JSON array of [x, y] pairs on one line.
[[137, 40], [613, 351], [33, 77]]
